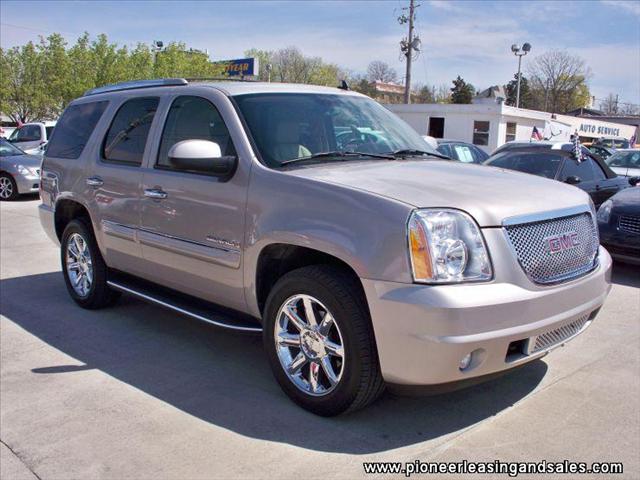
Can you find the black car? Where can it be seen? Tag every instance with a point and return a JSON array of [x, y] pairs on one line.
[[556, 161], [461, 151], [619, 224]]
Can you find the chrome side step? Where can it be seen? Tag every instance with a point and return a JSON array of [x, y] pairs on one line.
[[212, 318]]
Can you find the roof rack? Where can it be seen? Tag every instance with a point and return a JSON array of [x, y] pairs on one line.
[[135, 84]]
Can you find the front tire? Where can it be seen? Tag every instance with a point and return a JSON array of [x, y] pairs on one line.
[[319, 340], [8, 187], [84, 270]]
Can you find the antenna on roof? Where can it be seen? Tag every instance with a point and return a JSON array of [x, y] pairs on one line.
[[344, 85]]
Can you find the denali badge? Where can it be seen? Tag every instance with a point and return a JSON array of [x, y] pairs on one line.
[[562, 242]]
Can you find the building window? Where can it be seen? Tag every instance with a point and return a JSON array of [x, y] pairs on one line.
[[436, 127], [481, 133], [511, 132]]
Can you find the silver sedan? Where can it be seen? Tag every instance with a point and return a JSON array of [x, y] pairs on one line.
[[625, 162], [19, 172]]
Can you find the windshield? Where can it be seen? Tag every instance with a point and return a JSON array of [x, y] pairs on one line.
[[536, 163], [286, 126], [6, 149], [624, 159]]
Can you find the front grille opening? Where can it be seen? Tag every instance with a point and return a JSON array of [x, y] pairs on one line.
[[516, 350]]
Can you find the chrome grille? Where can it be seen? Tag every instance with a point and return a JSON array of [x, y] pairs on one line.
[[559, 335], [532, 245], [629, 223]]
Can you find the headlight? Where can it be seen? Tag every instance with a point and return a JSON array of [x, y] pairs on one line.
[[446, 246], [604, 212], [22, 170]]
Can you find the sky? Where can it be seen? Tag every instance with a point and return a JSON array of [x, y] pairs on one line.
[[467, 38]]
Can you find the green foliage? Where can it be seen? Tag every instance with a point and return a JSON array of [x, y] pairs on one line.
[[525, 92], [37, 81], [462, 92]]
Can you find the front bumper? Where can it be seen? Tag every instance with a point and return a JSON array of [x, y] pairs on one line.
[[623, 246], [422, 332], [27, 183]]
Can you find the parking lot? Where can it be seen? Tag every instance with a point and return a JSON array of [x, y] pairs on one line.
[[136, 391]]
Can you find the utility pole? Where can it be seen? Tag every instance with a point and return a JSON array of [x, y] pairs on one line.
[[408, 46]]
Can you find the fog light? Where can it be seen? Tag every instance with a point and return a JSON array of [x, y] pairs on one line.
[[465, 362]]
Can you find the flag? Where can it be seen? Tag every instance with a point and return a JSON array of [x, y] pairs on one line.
[[535, 134]]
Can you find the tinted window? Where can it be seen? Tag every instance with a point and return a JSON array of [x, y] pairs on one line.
[[481, 133], [597, 170], [536, 163], [193, 118], [444, 149], [27, 133], [479, 155], [127, 135], [49, 131], [74, 129], [582, 170]]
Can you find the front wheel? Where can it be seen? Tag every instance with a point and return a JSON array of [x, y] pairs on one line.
[[8, 187], [320, 343]]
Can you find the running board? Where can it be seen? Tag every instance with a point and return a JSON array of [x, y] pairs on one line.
[[189, 306]]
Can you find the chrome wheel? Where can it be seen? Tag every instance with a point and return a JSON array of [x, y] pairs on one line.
[[309, 345], [79, 265], [6, 188]]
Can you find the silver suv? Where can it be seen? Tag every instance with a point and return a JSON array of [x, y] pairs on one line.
[[319, 218]]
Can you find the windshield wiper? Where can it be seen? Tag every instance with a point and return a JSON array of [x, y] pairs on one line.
[[337, 154], [411, 151]]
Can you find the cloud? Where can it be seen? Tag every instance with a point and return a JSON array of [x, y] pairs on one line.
[[630, 6]]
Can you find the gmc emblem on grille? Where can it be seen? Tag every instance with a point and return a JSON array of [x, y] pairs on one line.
[[560, 243]]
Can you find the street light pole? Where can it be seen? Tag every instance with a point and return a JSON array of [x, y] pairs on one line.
[[520, 52], [408, 46]]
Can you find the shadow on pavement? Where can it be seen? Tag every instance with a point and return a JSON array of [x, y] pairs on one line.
[[626, 274], [223, 378]]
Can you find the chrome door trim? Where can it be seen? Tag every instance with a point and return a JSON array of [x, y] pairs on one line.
[[183, 311], [119, 230], [229, 257]]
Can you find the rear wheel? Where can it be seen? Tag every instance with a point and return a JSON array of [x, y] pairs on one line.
[[8, 187], [318, 336], [84, 270]]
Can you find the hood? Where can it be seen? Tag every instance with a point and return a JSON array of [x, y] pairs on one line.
[[25, 160], [627, 201], [489, 194]]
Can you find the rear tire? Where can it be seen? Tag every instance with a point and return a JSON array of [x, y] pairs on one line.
[[85, 273], [335, 367], [8, 187]]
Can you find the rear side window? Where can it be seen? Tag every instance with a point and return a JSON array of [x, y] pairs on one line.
[[74, 129], [536, 163], [49, 132], [127, 135], [582, 170]]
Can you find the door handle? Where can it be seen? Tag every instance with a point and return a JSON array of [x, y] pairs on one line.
[[155, 193], [95, 182]]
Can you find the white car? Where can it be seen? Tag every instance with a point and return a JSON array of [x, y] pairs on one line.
[[32, 135], [625, 162]]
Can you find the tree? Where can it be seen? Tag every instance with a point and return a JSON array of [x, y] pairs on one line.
[[424, 94], [610, 104], [378, 71], [290, 65], [462, 92], [525, 92], [559, 81]]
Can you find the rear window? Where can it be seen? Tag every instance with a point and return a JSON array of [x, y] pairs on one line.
[[127, 135], [536, 163], [74, 128]]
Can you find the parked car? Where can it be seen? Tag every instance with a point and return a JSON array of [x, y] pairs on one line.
[[374, 265], [516, 144], [603, 152], [555, 161], [32, 135], [625, 162], [619, 224], [19, 172], [617, 142], [457, 150]]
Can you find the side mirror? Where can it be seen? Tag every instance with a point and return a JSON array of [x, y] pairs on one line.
[[634, 181], [572, 180], [201, 156]]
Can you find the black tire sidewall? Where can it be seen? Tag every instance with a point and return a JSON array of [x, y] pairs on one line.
[[341, 398]]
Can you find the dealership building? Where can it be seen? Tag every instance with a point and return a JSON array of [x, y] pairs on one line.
[[489, 123]]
